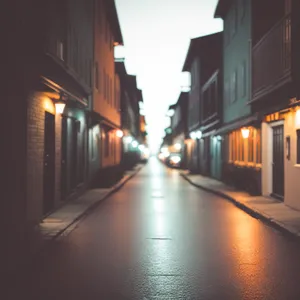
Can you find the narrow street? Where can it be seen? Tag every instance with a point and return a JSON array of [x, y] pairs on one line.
[[161, 238]]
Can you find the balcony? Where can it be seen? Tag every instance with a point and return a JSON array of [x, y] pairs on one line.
[[271, 60]]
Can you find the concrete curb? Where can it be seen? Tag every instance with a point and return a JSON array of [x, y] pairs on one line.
[[249, 210], [112, 190]]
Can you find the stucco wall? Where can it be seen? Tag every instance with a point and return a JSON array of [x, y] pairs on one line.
[[292, 169]]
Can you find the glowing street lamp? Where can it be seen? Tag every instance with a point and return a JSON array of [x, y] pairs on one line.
[[119, 133], [60, 106], [141, 147], [164, 149], [134, 144], [128, 139], [196, 135], [177, 146], [193, 135], [199, 134], [245, 132]]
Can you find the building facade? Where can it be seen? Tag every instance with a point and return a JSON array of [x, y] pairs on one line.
[[179, 127], [211, 110], [131, 120], [56, 123], [241, 129], [202, 61], [105, 139], [275, 94]]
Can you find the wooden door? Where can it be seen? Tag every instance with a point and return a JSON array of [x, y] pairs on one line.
[[278, 161]]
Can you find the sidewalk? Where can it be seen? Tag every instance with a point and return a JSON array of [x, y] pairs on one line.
[[63, 220], [265, 208]]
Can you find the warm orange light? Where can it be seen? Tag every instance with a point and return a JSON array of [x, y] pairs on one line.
[[59, 107], [119, 133], [297, 119], [245, 132], [116, 44]]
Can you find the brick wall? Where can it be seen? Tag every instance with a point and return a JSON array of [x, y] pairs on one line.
[[38, 104]]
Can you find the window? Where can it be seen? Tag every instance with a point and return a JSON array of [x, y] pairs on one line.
[[242, 9], [287, 43], [205, 101], [234, 21], [96, 76], [105, 86], [226, 92], [213, 99], [245, 151], [60, 50], [251, 147], [106, 30], [107, 89], [243, 81], [194, 76], [233, 87], [100, 14], [90, 70], [110, 91], [227, 31], [258, 146], [288, 6], [106, 144]]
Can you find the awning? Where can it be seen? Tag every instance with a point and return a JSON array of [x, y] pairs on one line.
[[236, 124]]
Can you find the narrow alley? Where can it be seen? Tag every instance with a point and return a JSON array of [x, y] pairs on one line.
[[161, 238]]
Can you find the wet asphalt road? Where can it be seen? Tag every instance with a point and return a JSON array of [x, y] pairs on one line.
[[161, 238]]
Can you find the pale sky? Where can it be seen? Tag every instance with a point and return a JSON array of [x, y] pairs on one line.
[[156, 36]]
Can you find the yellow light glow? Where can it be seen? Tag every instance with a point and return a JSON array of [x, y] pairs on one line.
[[119, 133], [245, 132], [48, 105], [297, 119], [177, 146]]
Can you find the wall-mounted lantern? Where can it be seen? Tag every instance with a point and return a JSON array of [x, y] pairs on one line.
[[193, 135], [119, 133], [196, 135], [134, 144], [297, 118], [128, 139], [245, 132], [178, 146], [60, 106], [199, 134]]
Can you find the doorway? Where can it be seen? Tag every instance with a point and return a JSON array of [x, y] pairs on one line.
[[278, 162], [64, 157], [49, 163]]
